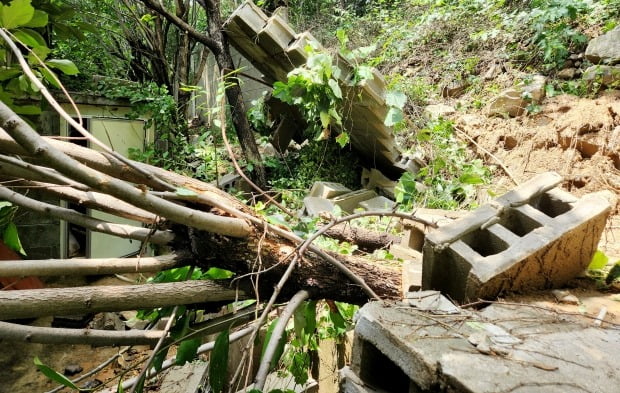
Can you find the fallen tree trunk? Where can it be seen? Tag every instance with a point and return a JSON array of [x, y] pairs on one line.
[[365, 239], [33, 303]]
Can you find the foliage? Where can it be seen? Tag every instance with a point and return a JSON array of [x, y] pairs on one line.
[[8, 228], [602, 270], [26, 26], [449, 179], [54, 375], [218, 362]]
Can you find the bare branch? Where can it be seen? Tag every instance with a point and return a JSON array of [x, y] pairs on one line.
[[270, 350], [29, 303], [204, 39], [17, 168], [85, 267], [37, 146], [45, 335], [94, 200], [124, 231]]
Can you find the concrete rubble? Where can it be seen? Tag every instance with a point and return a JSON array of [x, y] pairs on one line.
[[398, 348]]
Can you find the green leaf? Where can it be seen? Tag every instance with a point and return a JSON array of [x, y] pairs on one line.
[[54, 375], [394, 116], [215, 273], [218, 365], [158, 360], [599, 260], [181, 191], [335, 88], [17, 13], [280, 346], [50, 77], [11, 238], [65, 66], [9, 73], [342, 139], [471, 179], [29, 38], [614, 274], [187, 350], [396, 99], [325, 119], [39, 19]]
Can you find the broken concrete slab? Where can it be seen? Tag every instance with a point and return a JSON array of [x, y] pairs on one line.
[[401, 349], [533, 237], [314, 206], [379, 203], [188, 378], [350, 201], [325, 189]]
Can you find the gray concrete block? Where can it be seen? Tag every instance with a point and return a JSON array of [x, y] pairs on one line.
[[533, 237], [379, 203], [189, 378], [325, 189], [400, 349], [315, 206], [412, 275], [350, 201]]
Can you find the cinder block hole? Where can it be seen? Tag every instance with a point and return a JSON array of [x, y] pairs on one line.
[[378, 371], [485, 242], [550, 205], [517, 222]]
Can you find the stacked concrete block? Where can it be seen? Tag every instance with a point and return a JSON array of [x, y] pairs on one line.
[[350, 201], [325, 189], [533, 237], [275, 49], [379, 203]]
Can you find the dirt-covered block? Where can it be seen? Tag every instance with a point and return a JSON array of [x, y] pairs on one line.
[[533, 237]]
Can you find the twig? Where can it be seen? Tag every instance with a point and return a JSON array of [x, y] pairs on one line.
[[270, 350], [52, 101], [236, 165], [91, 372], [499, 162]]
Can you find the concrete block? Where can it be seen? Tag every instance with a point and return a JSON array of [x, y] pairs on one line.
[[315, 206], [412, 275], [374, 180], [350, 201], [378, 204], [533, 237], [188, 378], [233, 180], [398, 349], [325, 189]]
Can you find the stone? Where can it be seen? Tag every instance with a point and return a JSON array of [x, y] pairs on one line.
[[325, 189], [379, 203], [188, 378], [350, 201], [567, 73], [436, 111], [499, 349], [454, 89], [533, 237], [605, 48], [405, 253], [604, 74], [513, 101], [564, 296], [314, 206], [72, 369], [412, 275]]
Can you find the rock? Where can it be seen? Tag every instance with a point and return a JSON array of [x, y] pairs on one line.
[[434, 112], [454, 89], [605, 48], [514, 101], [72, 369], [604, 74], [564, 296], [567, 73]]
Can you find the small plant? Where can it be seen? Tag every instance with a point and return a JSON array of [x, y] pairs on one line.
[[601, 270], [449, 179]]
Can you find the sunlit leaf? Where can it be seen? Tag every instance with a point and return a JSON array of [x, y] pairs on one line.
[[396, 99], [394, 116], [9, 73], [65, 66], [342, 139], [218, 364], [599, 260], [29, 38], [39, 19], [17, 13], [335, 88], [215, 273], [11, 238]]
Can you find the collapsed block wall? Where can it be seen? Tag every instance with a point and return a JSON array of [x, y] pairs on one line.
[[535, 236]]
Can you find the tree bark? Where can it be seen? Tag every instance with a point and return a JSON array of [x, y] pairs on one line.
[[85, 267], [233, 94], [44, 335], [314, 273], [365, 239], [31, 303]]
